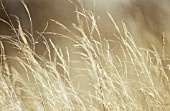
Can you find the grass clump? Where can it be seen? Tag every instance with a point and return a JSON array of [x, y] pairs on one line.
[[91, 74]]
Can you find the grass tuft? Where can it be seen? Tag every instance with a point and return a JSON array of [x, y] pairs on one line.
[[89, 75]]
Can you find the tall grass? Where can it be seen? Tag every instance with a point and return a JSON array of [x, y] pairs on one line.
[[93, 74]]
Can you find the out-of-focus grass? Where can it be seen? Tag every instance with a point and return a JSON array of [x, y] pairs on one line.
[[95, 74]]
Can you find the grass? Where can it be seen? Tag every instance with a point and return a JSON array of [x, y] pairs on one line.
[[89, 75]]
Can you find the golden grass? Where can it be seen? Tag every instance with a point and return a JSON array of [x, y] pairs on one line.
[[91, 75]]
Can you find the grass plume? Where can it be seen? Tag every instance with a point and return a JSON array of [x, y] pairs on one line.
[[94, 73]]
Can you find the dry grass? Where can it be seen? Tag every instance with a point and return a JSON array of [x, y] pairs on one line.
[[91, 75]]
